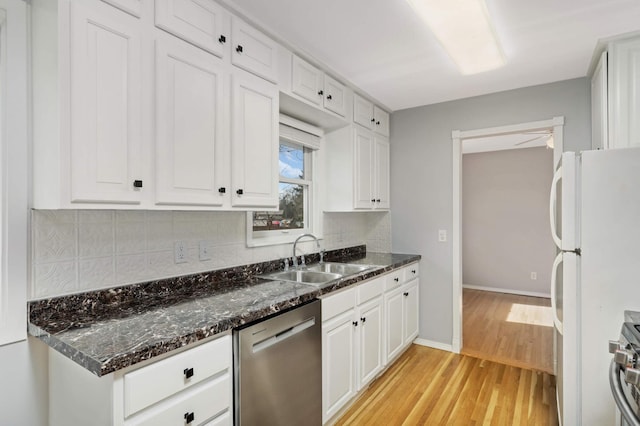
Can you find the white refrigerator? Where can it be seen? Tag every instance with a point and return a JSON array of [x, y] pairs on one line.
[[596, 275]]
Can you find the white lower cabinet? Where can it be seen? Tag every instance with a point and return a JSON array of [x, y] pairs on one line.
[[193, 387], [401, 308], [370, 329]]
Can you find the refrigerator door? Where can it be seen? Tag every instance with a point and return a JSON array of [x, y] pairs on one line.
[[567, 379], [569, 193], [610, 267]]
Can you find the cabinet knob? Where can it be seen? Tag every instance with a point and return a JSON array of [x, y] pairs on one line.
[[188, 373], [377, 200], [413, 271], [321, 92], [137, 184], [405, 293], [239, 49], [373, 120], [355, 323], [329, 97], [377, 123], [396, 279], [363, 319], [239, 192], [189, 417], [373, 200], [222, 39], [222, 190]]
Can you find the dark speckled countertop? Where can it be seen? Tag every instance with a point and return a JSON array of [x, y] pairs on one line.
[[107, 330]]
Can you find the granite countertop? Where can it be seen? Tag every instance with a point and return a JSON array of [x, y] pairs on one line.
[[107, 330]]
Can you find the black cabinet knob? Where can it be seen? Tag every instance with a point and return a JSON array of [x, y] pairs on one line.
[[373, 200], [377, 200], [239, 49], [363, 319], [355, 323], [189, 417], [188, 373], [396, 279], [373, 120], [222, 190], [222, 39], [329, 97], [239, 192], [137, 184], [413, 271], [321, 92], [405, 293], [377, 123]]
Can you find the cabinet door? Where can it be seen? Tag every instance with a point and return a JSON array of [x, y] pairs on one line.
[[363, 112], [599, 125], [105, 104], [133, 7], [201, 22], [381, 124], [254, 147], [624, 94], [370, 341], [253, 51], [381, 173], [394, 301], [338, 369], [190, 168], [410, 310], [335, 96], [363, 180], [307, 81]]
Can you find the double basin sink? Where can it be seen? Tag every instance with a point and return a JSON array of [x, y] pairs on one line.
[[318, 274]]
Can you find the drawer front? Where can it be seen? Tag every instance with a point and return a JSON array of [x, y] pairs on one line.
[[395, 279], [223, 420], [412, 271], [191, 407], [155, 382], [338, 303], [370, 290]]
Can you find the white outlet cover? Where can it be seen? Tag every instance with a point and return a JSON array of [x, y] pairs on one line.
[[180, 252], [205, 252]]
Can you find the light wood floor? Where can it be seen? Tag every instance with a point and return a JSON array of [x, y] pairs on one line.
[[510, 329], [432, 387]]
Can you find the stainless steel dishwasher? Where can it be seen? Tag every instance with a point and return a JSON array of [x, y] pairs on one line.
[[278, 369]]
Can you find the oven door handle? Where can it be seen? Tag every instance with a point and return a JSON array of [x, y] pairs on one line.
[[618, 395]]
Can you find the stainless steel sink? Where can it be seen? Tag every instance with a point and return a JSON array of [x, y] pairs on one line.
[[304, 276], [339, 268]]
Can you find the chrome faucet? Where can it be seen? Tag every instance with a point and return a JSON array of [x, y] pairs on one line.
[[295, 243]]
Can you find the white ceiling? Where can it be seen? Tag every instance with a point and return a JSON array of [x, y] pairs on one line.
[[382, 47]]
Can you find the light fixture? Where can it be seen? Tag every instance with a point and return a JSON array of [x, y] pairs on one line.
[[464, 29]]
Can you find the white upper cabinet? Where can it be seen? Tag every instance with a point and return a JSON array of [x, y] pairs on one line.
[[307, 81], [201, 22], [254, 153], [335, 96], [191, 157], [368, 115], [599, 124], [624, 93], [253, 51], [105, 107], [364, 197], [134, 7], [381, 173]]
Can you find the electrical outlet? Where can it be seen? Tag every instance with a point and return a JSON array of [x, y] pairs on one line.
[[204, 251], [442, 235], [180, 252], [534, 276]]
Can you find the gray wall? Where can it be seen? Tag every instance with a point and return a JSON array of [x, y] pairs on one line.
[[505, 220], [421, 175]]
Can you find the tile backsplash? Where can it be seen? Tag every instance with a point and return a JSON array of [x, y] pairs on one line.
[[80, 250]]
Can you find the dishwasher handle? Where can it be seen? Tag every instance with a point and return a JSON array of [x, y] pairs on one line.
[[283, 335]]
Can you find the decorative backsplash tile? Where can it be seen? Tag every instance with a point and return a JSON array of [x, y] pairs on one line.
[[80, 250]]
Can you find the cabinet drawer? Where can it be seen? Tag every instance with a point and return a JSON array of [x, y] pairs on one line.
[[203, 403], [155, 382], [412, 271], [371, 289], [223, 420], [338, 303], [395, 279]]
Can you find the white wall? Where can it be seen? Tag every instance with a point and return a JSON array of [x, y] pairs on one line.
[[505, 220], [421, 176]]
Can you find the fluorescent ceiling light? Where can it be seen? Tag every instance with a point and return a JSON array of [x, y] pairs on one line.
[[465, 31]]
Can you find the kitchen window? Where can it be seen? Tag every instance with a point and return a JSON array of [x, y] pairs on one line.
[[297, 212]]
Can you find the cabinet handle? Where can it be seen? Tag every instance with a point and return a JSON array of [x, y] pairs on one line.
[[413, 271], [222, 39], [188, 373], [137, 184], [396, 279], [239, 192], [239, 49], [373, 120], [329, 97], [321, 92], [363, 319], [377, 123], [405, 293], [355, 323], [377, 200], [222, 190], [189, 417], [373, 200]]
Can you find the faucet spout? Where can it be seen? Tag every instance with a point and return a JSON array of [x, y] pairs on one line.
[[295, 244]]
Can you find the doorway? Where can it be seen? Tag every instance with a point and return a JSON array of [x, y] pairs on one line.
[[555, 128]]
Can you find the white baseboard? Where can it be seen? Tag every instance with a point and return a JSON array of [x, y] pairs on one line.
[[508, 291], [433, 344]]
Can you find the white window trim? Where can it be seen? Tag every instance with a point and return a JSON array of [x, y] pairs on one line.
[[14, 176], [315, 212]]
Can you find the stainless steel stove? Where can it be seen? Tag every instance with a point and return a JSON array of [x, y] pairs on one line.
[[624, 373]]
